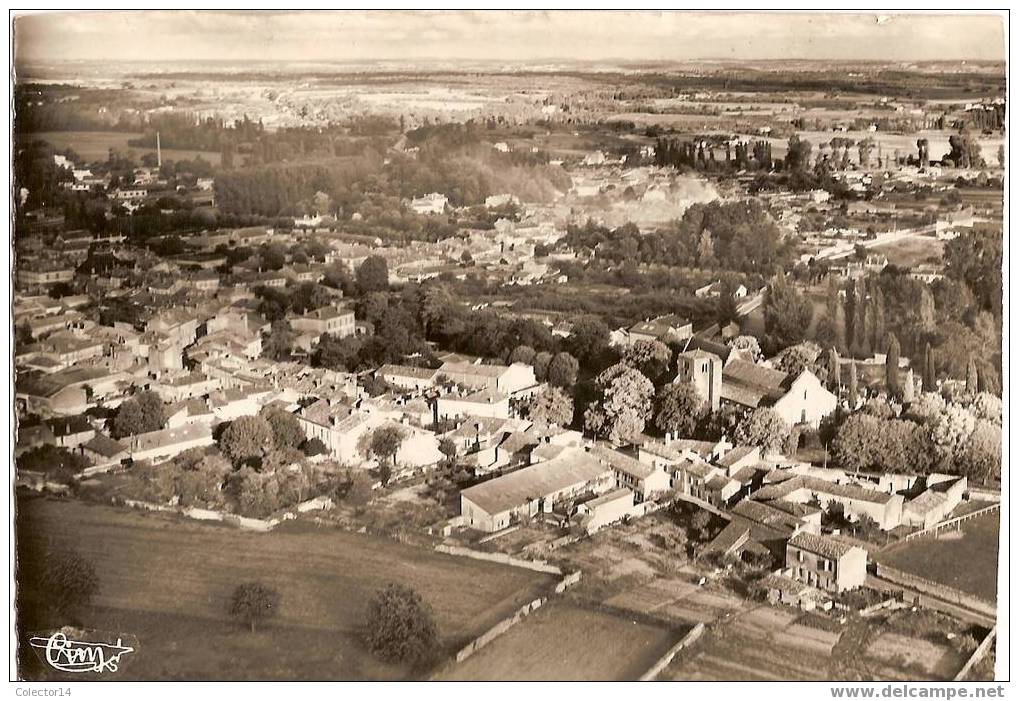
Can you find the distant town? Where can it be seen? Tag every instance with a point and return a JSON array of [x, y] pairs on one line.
[[688, 374]]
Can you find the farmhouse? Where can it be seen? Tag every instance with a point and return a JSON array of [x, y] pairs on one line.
[[493, 505], [159, 446], [825, 562]]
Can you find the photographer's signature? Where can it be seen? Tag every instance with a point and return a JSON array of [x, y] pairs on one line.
[[67, 655]]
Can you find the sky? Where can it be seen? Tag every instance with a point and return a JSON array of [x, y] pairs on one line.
[[503, 36]]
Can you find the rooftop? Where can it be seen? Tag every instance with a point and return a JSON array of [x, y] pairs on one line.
[[531, 483]]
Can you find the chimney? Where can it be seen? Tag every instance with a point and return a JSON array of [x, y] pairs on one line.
[[668, 437]]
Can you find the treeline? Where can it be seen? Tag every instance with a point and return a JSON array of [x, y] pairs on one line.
[[709, 154]]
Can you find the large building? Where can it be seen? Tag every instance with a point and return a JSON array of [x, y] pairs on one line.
[[800, 399], [495, 504]]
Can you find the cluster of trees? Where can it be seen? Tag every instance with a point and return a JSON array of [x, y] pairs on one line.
[[738, 235], [956, 432]]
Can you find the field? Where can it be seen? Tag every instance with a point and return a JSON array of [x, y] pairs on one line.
[[908, 252], [96, 145], [565, 641], [166, 581], [968, 562]]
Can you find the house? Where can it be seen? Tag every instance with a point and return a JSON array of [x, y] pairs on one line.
[[482, 402], [159, 446], [406, 377], [856, 499], [714, 289], [493, 505], [433, 203], [643, 479], [940, 496], [104, 453], [667, 329], [341, 430], [825, 562], [507, 379], [335, 321], [480, 441], [71, 431], [65, 392], [606, 509], [798, 400]]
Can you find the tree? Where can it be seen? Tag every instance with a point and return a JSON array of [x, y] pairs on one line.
[[929, 382], [142, 413], [245, 438], [892, 367], [541, 362], [286, 429], [313, 447], [972, 381], [679, 408], [650, 358], [253, 603], [69, 582], [749, 345], [834, 371], [803, 356], [623, 404], [278, 344], [373, 275], [854, 389], [562, 370], [447, 446], [981, 457], [787, 315], [588, 339], [551, 407], [385, 442], [867, 442], [522, 354], [766, 429], [400, 627]]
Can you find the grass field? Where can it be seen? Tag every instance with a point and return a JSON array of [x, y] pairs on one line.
[[565, 641], [912, 251], [166, 580], [96, 145], [968, 563]]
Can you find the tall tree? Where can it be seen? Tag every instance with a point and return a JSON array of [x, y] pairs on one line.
[[929, 383], [972, 379], [892, 366], [854, 389], [834, 370]]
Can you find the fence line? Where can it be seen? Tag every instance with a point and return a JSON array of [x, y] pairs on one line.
[[936, 590], [501, 558], [936, 528], [977, 655], [663, 662]]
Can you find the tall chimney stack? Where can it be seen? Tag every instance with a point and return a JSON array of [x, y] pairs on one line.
[[159, 152]]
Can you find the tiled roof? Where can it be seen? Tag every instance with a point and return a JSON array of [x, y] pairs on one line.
[[821, 545], [517, 488]]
